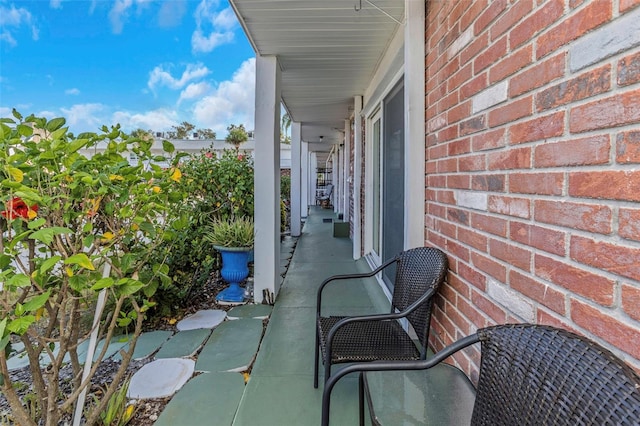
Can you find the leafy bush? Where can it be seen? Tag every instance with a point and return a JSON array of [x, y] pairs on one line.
[[66, 219]]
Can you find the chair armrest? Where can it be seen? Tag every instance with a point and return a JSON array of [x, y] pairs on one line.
[[390, 365], [347, 277]]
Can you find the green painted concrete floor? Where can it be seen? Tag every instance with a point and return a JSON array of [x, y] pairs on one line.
[[280, 391]]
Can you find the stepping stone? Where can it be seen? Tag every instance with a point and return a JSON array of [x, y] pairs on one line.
[[160, 378], [250, 311], [183, 344], [202, 319], [283, 270], [284, 262], [232, 346], [117, 343], [18, 361], [204, 398], [285, 249], [147, 344], [285, 256]]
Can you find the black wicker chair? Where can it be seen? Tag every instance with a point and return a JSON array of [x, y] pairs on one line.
[[529, 375], [419, 274]]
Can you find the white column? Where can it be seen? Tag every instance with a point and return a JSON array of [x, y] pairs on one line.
[[313, 175], [358, 153], [347, 169], [304, 180], [296, 200], [337, 179], [414, 135], [267, 177]]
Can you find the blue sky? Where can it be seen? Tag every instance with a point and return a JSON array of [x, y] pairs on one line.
[[147, 64]]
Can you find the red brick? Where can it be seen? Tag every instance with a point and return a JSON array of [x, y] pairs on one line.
[[472, 163], [588, 217], [491, 224], [511, 159], [446, 228], [495, 8], [448, 134], [471, 13], [545, 318], [458, 181], [489, 266], [538, 291], [611, 185], [629, 224], [538, 237], [473, 239], [457, 250], [459, 286], [472, 49], [437, 181], [438, 151], [576, 152], [458, 215], [593, 15], [493, 183], [511, 254], [543, 183], [511, 111], [459, 112], [510, 206], [515, 13], [628, 147], [490, 56], [631, 301], [584, 86], [511, 64], [626, 5], [447, 165], [474, 86], [489, 140], [446, 197], [463, 75], [614, 111], [606, 327], [472, 276], [538, 129], [543, 18], [473, 125], [617, 259], [538, 75], [472, 313], [489, 308], [447, 102]]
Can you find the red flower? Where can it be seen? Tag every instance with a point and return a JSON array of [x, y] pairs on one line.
[[208, 154], [18, 208]]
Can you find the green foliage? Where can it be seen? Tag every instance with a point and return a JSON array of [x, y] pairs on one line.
[[64, 217], [285, 187], [117, 412], [237, 135], [231, 232]]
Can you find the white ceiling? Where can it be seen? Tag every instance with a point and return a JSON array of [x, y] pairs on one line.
[[328, 53]]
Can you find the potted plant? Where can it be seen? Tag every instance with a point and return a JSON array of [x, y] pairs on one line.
[[233, 238]]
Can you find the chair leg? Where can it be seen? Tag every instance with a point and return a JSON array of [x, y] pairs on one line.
[[317, 361], [361, 397], [327, 369]]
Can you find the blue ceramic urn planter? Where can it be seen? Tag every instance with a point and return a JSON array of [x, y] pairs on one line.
[[234, 271]]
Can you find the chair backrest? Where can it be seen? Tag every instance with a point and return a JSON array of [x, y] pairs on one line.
[[328, 190], [419, 270], [539, 375]]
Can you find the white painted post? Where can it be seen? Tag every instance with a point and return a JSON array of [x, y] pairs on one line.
[[267, 178], [313, 174], [347, 169], [296, 193], [335, 173], [305, 180], [414, 135], [357, 177]]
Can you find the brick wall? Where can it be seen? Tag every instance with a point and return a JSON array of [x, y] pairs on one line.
[[533, 166]]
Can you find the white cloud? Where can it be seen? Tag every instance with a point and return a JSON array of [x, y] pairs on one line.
[[213, 28], [12, 19], [55, 4], [119, 13], [84, 117], [157, 120], [194, 90], [5, 112], [161, 77], [73, 91], [232, 102], [171, 13]]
